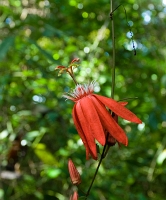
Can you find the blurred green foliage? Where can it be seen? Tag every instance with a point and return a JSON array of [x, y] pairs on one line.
[[37, 135]]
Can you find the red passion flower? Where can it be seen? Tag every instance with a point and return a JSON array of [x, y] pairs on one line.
[[93, 120]]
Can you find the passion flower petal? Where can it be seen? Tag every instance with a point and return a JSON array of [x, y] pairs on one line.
[[81, 133], [85, 127], [93, 119], [109, 123], [118, 109]]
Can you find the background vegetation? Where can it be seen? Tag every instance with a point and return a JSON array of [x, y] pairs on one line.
[[37, 135]]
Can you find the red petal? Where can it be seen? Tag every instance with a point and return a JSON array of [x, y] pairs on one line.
[[109, 123], [92, 119], [78, 127], [85, 128], [80, 132], [123, 103], [118, 109]]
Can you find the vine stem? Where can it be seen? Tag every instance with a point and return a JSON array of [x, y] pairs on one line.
[[112, 92], [76, 83], [113, 49], [70, 72], [101, 158]]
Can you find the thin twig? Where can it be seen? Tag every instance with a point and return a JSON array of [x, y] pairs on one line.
[[128, 98], [131, 34]]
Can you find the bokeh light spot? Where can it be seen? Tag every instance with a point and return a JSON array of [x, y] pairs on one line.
[[85, 15]]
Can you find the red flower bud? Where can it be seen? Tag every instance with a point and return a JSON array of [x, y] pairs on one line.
[[74, 196], [74, 174]]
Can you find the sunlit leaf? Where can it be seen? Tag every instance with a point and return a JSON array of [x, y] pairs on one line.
[[51, 172], [161, 157], [44, 155]]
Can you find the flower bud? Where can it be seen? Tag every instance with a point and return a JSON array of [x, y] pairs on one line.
[[74, 174], [74, 196]]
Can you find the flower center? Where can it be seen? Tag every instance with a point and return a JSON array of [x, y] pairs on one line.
[[81, 91]]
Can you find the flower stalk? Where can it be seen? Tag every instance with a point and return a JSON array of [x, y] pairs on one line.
[[97, 169]]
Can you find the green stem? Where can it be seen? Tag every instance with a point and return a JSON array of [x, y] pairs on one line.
[[113, 50], [72, 76], [79, 188], [101, 158], [128, 98], [74, 80]]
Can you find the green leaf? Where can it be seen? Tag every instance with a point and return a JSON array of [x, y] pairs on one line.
[[5, 45], [44, 155], [44, 52], [51, 172], [32, 135], [161, 157]]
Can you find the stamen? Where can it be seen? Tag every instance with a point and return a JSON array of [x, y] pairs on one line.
[[81, 91]]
